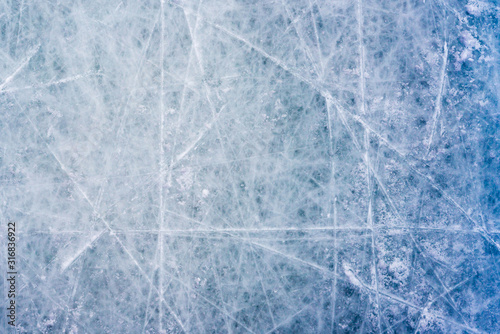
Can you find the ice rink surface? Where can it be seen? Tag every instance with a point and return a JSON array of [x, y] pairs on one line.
[[251, 166]]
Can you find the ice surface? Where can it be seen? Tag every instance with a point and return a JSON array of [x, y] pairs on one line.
[[312, 166]]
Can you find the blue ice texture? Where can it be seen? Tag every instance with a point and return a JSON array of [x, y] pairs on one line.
[[246, 166]]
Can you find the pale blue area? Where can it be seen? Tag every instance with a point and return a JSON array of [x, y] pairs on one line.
[[252, 166]]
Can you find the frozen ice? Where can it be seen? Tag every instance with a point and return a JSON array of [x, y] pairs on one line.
[[309, 166]]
